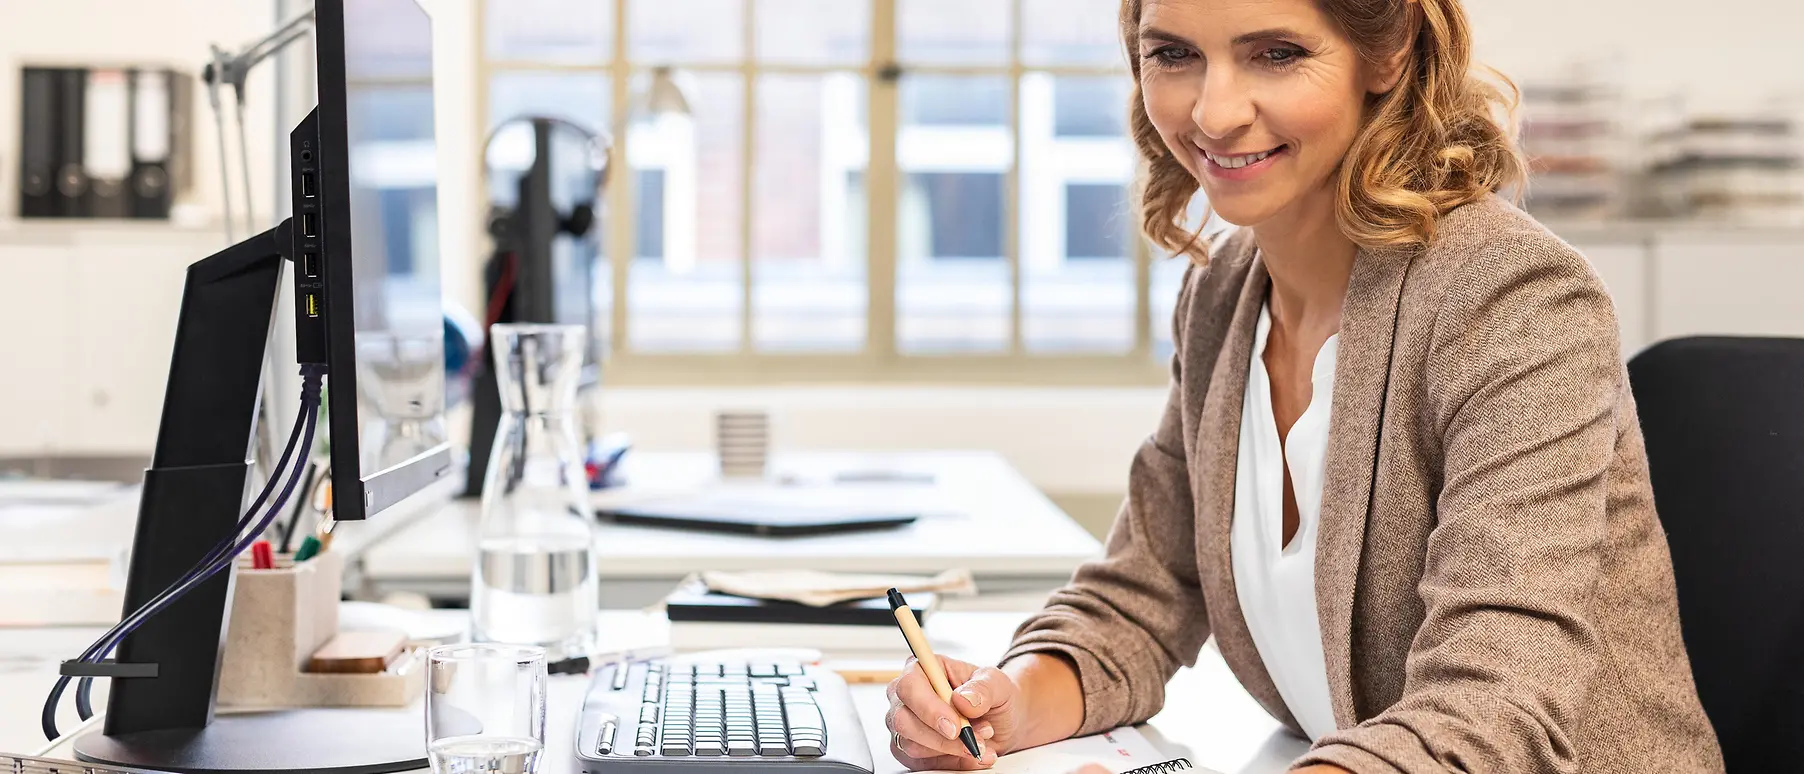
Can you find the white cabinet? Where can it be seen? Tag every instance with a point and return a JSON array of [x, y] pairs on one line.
[[123, 314], [1725, 283], [88, 319], [37, 334]]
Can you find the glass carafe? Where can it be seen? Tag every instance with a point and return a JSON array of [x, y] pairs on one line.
[[535, 580]]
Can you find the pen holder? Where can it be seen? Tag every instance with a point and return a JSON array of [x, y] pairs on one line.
[[280, 617]]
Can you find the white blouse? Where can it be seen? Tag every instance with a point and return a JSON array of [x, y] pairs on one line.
[[1275, 582]]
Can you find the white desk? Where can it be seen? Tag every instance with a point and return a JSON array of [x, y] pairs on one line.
[[978, 513], [1208, 717]]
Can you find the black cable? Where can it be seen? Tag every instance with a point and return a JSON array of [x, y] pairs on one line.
[[300, 507], [219, 558]]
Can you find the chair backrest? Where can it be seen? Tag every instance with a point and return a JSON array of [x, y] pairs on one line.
[[1724, 424]]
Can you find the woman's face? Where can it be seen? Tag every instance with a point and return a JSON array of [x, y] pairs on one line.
[[1259, 99]]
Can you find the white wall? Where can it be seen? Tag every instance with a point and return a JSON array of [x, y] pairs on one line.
[[174, 33], [1725, 53]]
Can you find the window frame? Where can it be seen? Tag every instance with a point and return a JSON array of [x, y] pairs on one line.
[[880, 360]]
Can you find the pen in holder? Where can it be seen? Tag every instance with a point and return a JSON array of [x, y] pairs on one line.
[[280, 618]]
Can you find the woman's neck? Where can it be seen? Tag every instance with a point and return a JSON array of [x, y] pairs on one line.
[[1310, 262]]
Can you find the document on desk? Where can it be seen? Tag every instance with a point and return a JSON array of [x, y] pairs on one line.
[[1121, 751]]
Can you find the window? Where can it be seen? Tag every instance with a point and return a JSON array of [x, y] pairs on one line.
[[851, 189]]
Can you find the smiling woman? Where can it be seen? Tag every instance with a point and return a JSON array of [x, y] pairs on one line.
[[1388, 109], [1399, 479]]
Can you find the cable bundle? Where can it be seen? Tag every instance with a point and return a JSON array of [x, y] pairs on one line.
[[217, 559]]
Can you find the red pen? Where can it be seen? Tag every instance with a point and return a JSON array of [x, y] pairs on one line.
[[262, 556]]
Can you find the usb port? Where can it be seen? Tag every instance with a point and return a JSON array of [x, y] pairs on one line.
[[307, 185], [312, 305], [309, 265], [309, 228]]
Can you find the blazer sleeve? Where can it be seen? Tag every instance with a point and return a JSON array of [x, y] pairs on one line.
[[1128, 619], [1525, 378]]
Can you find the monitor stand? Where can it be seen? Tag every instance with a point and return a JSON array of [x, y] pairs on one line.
[[164, 679]]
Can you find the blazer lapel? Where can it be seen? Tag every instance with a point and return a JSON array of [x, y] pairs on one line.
[[1361, 376], [1218, 451]]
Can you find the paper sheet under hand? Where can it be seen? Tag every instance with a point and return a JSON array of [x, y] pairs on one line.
[[1123, 749], [819, 589]]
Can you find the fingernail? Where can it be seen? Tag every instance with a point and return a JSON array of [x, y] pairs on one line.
[[987, 732], [948, 729], [970, 696]]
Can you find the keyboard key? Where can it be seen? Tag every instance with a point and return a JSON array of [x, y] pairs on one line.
[[762, 669], [789, 668], [802, 681], [648, 713], [806, 716], [643, 751], [772, 748], [809, 749], [710, 747], [674, 749], [609, 728], [621, 671], [738, 747]]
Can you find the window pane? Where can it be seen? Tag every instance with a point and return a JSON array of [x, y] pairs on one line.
[[808, 233], [1071, 32], [953, 291], [706, 31], [953, 31], [550, 31], [583, 99], [1077, 278], [684, 291], [1167, 277], [836, 32]]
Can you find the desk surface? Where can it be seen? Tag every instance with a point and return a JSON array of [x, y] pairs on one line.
[[1208, 717], [977, 512]]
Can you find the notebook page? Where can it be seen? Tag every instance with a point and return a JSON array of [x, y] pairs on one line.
[[1120, 750]]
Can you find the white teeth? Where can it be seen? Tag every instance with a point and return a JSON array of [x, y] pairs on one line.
[[1236, 162]]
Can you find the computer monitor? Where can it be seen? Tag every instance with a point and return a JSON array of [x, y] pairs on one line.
[[366, 284], [379, 192]]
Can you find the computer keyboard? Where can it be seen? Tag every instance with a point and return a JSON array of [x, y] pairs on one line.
[[677, 715]]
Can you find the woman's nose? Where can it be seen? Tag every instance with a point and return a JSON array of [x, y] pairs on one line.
[[1223, 106]]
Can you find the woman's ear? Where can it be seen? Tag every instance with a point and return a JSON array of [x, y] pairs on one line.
[[1389, 71]]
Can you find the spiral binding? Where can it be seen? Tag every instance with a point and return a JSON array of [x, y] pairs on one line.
[[1175, 764]]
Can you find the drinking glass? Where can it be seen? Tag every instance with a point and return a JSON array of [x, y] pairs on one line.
[[485, 708]]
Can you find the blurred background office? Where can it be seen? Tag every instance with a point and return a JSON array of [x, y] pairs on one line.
[[890, 224]]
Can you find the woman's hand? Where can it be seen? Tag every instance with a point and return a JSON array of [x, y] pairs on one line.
[[924, 730]]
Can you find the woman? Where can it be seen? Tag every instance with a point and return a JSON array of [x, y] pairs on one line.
[[1399, 476]]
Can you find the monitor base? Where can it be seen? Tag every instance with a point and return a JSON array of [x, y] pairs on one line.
[[318, 741]]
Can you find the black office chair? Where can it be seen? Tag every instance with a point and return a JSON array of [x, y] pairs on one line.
[[1724, 423]]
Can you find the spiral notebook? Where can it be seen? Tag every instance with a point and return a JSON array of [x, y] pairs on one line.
[[1122, 751]]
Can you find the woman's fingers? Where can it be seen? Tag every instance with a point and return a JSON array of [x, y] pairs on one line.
[[915, 693], [961, 762], [918, 740]]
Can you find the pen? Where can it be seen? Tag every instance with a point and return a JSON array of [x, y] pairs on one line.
[[930, 664]]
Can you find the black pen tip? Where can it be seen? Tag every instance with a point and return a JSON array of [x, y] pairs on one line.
[[896, 602], [969, 737]]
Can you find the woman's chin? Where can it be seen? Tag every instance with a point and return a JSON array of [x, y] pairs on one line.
[[1240, 212]]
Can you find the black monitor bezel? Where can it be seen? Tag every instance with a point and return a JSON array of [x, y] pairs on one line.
[[354, 496]]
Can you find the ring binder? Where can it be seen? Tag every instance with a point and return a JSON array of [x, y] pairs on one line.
[[1175, 764]]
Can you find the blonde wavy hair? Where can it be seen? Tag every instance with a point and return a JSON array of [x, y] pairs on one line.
[[1433, 143]]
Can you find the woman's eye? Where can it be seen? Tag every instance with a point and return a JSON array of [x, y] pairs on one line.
[[1280, 56], [1170, 55]]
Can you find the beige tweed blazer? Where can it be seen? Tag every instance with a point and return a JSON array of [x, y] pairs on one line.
[[1494, 588]]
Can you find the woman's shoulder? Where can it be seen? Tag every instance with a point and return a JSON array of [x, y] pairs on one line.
[[1490, 245]]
